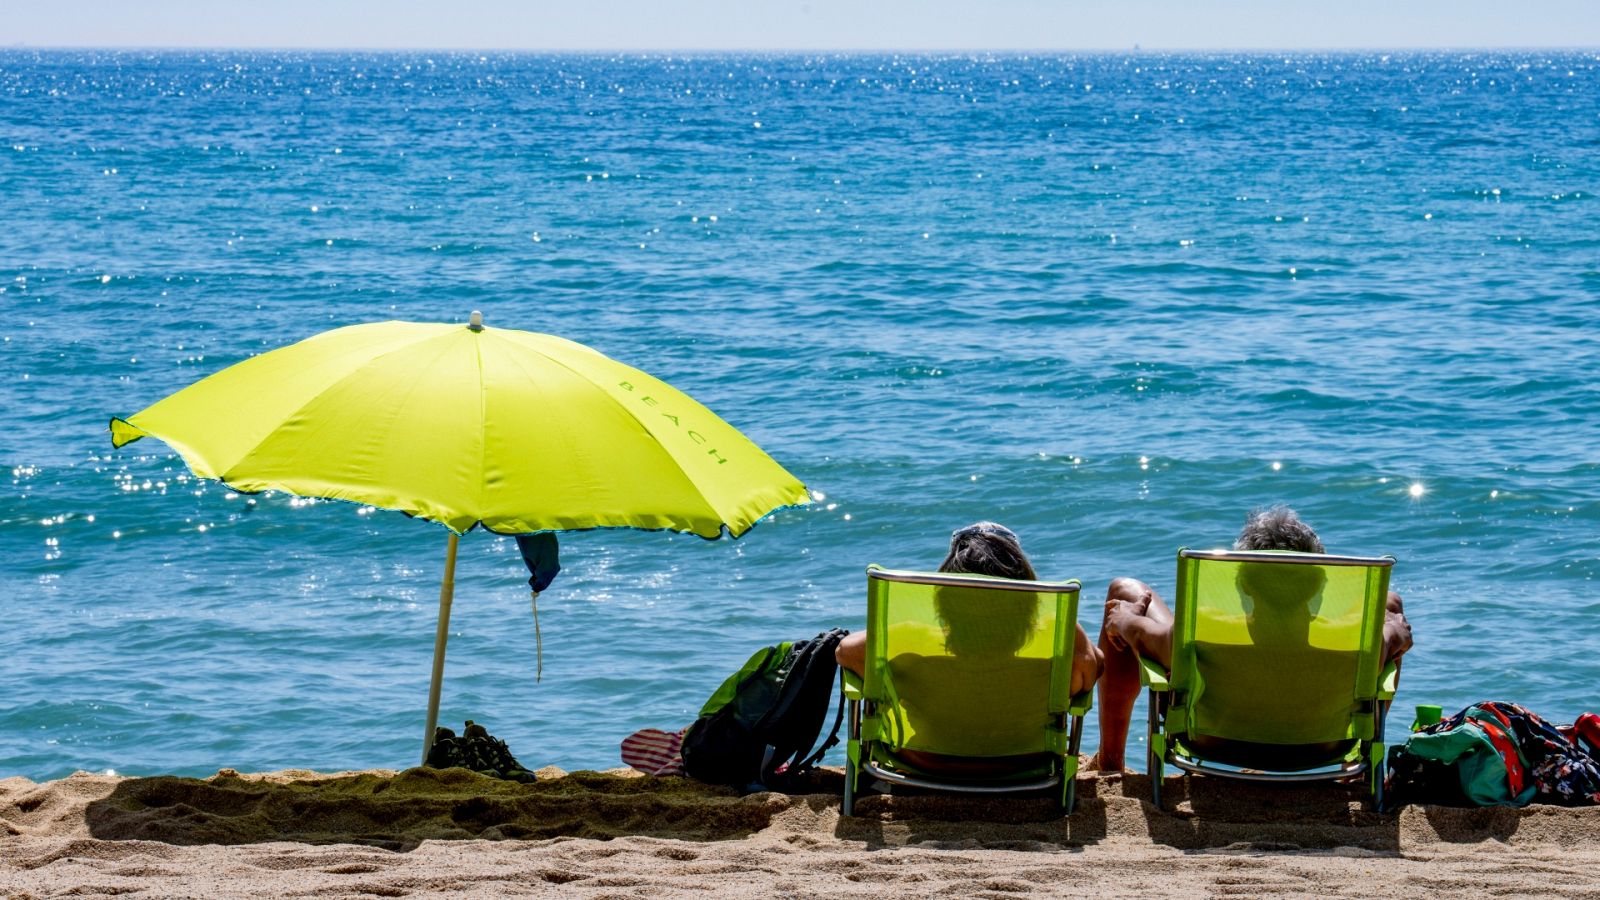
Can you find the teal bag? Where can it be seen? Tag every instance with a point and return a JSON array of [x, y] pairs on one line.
[[1471, 759]]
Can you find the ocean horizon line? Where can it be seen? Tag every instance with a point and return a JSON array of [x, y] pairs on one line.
[[651, 52]]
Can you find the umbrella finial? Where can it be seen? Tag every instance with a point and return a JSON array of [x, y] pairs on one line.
[[476, 322]]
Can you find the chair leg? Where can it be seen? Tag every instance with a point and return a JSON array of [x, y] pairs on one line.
[[1378, 758], [1377, 788], [849, 806], [1063, 792], [852, 759], [1154, 750], [1155, 783], [1069, 769], [1377, 768]]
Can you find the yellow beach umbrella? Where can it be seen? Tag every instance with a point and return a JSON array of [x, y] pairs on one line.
[[469, 426]]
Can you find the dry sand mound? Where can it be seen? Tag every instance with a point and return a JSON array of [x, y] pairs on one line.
[[424, 832]]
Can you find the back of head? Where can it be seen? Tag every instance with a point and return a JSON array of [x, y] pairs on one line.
[[1002, 623], [1277, 528], [988, 548]]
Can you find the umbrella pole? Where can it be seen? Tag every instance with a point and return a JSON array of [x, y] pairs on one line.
[[447, 589]]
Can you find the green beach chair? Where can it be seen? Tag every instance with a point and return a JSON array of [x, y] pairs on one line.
[[974, 669], [1277, 669]]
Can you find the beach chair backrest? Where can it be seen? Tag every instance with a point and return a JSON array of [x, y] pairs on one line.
[[1277, 647], [966, 665]]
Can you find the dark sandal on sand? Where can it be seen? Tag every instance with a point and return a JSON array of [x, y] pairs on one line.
[[477, 750], [488, 755], [447, 751]]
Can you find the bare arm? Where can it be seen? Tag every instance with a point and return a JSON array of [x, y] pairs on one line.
[[1087, 662], [1396, 630], [852, 652]]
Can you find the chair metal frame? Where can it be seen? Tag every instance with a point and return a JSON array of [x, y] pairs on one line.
[[1365, 759], [860, 757]]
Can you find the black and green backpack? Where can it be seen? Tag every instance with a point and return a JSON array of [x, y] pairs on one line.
[[756, 732]]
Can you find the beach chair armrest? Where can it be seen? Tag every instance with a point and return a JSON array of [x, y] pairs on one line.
[[1389, 681], [1153, 676], [850, 684], [1080, 704]]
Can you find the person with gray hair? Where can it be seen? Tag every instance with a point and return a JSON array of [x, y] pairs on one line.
[[1138, 623]]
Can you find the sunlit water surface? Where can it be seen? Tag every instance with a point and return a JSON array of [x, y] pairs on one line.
[[1111, 301]]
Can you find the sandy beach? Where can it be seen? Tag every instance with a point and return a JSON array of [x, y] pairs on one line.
[[615, 834]]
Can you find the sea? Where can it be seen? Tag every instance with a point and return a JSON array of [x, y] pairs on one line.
[[1112, 301]]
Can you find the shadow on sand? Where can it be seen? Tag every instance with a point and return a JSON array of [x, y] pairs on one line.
[[399, 811], [1199, 814]]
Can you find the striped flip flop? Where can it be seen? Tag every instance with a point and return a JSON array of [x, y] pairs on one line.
[[654, 752]]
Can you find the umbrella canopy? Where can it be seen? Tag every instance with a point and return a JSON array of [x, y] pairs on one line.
[[470, 426]]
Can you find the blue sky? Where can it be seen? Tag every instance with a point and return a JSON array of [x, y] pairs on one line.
[[802, 24]]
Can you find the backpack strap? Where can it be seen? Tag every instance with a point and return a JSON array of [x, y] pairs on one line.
[[814, 661], [829, 744]]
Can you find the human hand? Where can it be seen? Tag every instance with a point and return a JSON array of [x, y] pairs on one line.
[[1122, 613]]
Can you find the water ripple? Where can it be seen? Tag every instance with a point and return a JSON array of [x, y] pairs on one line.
[[1111, 300]]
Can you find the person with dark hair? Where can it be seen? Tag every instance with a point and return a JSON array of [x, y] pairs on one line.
[[982, 640], [985, 548], [1138, 623]]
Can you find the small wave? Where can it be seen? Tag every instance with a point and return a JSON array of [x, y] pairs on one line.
[[1142, 270]]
